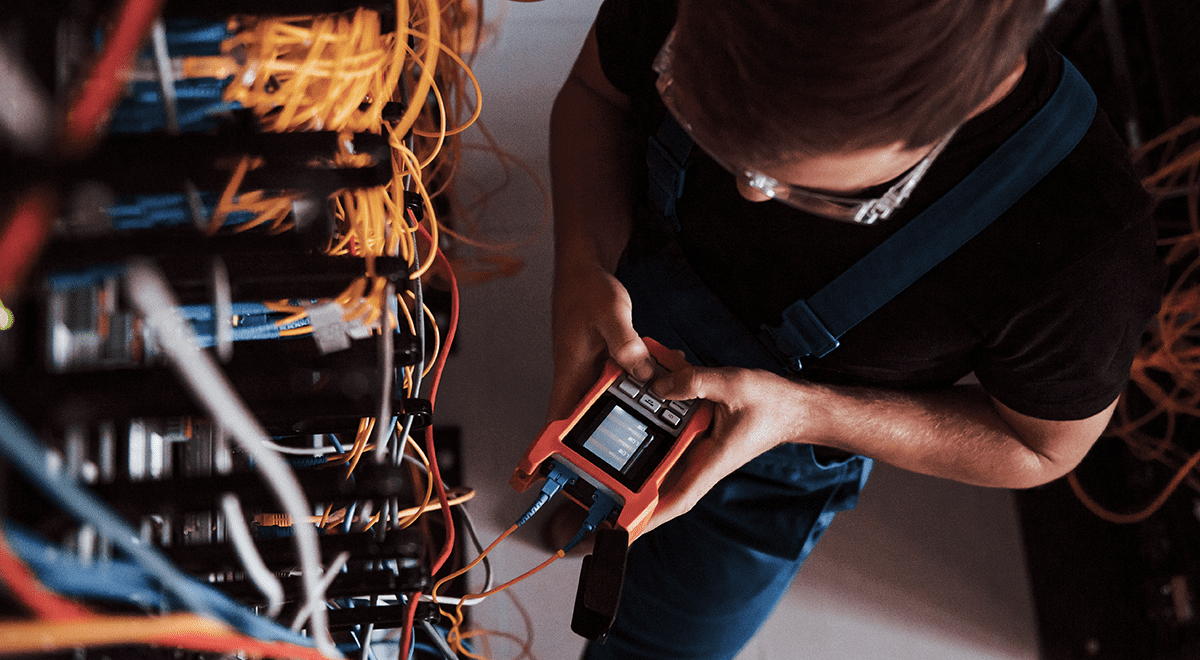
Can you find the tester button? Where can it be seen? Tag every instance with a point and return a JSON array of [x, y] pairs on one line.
[[650, 402], [630, 387], [671, 418]]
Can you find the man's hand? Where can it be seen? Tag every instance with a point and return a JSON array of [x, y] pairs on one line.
[[592, 322], [753, 412]]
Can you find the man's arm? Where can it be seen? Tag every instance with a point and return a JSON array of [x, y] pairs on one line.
[[959, 433], [593, 159]]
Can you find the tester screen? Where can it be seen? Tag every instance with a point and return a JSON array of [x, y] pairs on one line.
[[618, 438]]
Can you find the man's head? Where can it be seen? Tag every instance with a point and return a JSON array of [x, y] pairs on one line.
[[771, 81]]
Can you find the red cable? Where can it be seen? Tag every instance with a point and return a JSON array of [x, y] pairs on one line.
[[100, 91], [440, 365], [406, 637], [431, 450], [21, 240]]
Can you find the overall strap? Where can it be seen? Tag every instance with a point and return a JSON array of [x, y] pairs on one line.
[[813, 326], [667, 161]]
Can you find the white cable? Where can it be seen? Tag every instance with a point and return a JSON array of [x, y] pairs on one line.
[[311, 609], [303, 451], [439, 641], [26, 113], [148, 290], [166, 77], [384, 425], [488, 579], [365, 644], [222, 294], [243, 544]]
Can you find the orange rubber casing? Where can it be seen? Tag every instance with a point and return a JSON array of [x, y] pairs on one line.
[[636, 507]]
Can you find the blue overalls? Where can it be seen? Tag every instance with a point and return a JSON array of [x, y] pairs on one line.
[[699, 586], [713, 575]]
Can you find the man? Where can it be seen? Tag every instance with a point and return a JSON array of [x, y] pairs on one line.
[[823, 107]]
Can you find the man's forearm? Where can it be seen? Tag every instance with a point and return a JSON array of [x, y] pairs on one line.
[[956, 433]]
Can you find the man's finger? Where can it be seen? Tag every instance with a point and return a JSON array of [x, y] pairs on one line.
[[689, 383], [629, 351]]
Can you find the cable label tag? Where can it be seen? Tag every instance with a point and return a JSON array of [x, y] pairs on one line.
[[331, 330]]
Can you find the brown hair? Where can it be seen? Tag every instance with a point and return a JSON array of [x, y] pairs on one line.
[[764, 79]]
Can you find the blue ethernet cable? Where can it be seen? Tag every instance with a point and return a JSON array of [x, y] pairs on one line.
[[558, 479], [115, 580], [255, 322], [151, 210], [242, 310], [20, 447], [200, 101], [122, 581]]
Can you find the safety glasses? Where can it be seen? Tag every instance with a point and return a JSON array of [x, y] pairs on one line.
[[857, 210]]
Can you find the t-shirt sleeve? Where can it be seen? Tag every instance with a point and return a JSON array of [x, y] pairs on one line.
[[629, 35], [1067, 354]]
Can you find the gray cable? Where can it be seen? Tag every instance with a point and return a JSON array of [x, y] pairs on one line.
[[252, 561], [387, 364], [439, 641], [222, 310], [166, 77]]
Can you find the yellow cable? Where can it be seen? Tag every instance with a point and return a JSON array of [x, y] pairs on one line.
[[365, 426], [454, 637], [342, 459], [224, 204], [437, 342], [1139, 516], [408, 521], [416, 511], [428, 65], [478, 109], [440, 135], [47, 636], [474, 562]]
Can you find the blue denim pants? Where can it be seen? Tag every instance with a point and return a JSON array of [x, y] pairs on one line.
[[701, 585]]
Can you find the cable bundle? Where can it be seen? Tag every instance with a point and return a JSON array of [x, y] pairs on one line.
[[341, 73], [315, 72], [398, 75]]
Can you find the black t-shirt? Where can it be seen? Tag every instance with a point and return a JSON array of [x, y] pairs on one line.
[[1046, 306]]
